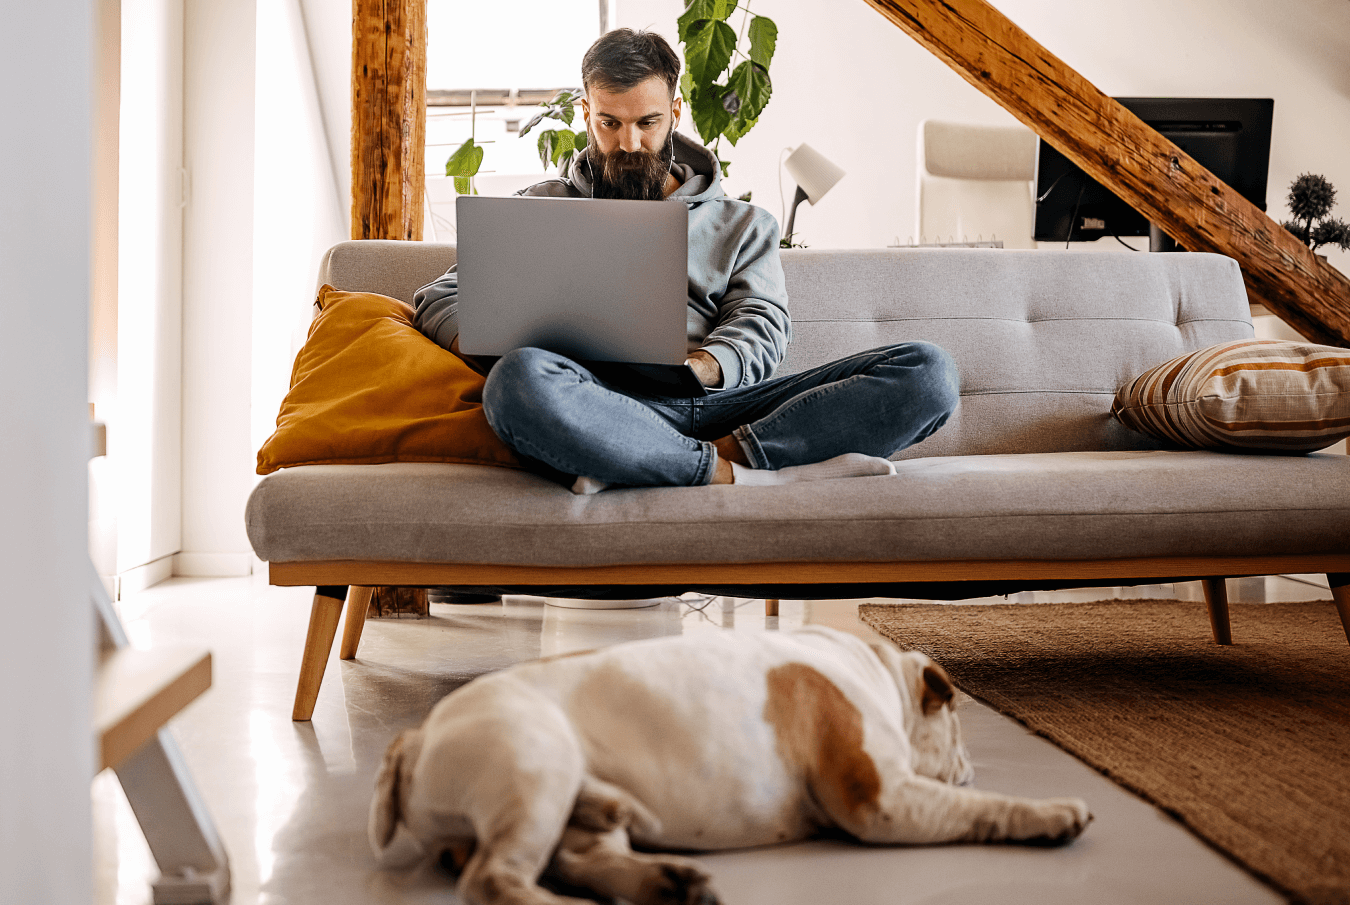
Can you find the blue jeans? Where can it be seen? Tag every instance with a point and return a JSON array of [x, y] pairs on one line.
[[549, 408]]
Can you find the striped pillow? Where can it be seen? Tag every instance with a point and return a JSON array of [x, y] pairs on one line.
[[1249, 394]]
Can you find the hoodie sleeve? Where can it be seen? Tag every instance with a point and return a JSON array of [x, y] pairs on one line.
[[753, 328], [436, 307]]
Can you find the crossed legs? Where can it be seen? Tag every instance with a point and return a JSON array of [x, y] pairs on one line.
[[867, 406]]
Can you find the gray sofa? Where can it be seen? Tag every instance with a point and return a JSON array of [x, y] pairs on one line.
[[1031, 483]]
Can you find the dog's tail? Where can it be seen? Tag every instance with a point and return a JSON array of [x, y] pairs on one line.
[[390, 839]]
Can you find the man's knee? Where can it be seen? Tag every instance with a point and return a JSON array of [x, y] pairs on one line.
[[521, 379], [935, 376]]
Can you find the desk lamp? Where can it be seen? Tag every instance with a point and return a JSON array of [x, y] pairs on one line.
[[814, 176]]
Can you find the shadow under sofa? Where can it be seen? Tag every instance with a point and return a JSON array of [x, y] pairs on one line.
[[1031, 484]]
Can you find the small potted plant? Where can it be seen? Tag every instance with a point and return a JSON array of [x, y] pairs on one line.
[[1310, 201]]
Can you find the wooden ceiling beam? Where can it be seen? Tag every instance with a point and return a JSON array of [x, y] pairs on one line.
[[1117, 149], [389, 118]]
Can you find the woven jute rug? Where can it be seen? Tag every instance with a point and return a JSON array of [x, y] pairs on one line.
[[1248, 745]]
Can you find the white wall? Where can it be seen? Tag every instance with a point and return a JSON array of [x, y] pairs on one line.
[[46, 750], [144, 461], [856, 87], [218, 151], [328, 34]]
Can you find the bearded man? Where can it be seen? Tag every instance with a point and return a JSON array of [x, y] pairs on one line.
[[842, 419]]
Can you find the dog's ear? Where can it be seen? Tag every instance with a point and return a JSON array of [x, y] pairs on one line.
[[937, 689], [386, 810]]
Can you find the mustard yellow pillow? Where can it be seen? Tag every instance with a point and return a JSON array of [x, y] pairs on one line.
[[368, 388]]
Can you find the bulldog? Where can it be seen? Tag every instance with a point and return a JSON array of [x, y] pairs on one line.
[[710, 741]]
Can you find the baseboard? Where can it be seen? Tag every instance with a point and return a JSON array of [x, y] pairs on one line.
[[139, 578], [212, 565]]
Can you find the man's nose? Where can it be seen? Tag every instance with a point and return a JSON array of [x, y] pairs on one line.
[[630, 139]]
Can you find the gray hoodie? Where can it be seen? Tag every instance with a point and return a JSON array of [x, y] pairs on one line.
[[737, 298]]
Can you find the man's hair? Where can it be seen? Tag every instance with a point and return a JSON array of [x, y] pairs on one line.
[[623, 58]]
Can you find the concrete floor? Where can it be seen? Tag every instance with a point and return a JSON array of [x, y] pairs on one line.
[[290, 799]]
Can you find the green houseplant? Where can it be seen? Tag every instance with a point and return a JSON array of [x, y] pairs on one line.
[[725, 100]]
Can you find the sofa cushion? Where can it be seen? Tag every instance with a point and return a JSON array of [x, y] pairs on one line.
[[1059, 506], [367, 387], [1253, 394]]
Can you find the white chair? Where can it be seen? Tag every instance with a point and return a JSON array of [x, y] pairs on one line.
[[976, 183]]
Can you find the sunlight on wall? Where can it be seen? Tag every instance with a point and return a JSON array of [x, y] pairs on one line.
[[144, 438]]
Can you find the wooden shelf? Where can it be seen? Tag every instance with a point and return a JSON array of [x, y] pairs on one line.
[[138, 691]]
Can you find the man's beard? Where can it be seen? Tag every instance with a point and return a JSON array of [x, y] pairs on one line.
[[635, 176]]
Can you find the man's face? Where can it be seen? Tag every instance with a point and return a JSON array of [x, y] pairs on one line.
[[628, 139]]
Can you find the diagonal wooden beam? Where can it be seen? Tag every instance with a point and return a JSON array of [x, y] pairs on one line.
[[1117, 149], [389, 84]]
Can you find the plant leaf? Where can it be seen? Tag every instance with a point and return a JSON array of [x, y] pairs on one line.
[[687, 89], [710, 117], [696, 11], [726, 165], [722, 9], [737, 128], [546, 139], [564, 143], [534, 121], [580, 141], [567, 112], [463, 184], [763, 40], [751, 83], [708, 52], [466, 160]]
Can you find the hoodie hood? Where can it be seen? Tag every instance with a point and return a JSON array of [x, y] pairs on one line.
[[695, 166]]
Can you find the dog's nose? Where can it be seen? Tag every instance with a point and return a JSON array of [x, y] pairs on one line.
[[967, 778]]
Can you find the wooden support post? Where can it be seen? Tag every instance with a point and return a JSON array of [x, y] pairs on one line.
[[1117, 149], [389, 87], [1216, 600]]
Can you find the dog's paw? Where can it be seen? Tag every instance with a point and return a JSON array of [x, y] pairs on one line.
[[679, 883], [1053, 821]]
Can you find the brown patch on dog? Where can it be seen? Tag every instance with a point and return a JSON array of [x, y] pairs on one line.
[[820, 730], [937, 689]]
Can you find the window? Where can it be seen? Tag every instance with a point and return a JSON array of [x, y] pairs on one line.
[[508, 56]]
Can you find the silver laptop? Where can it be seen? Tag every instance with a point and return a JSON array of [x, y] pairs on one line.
[[601, 281]]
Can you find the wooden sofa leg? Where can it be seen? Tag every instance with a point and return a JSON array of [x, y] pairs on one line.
[[323, 622], [358, 604], [1339, 582], [1216, 599], [770, 606]]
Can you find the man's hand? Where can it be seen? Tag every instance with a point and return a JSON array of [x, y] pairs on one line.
[[706, 368]]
